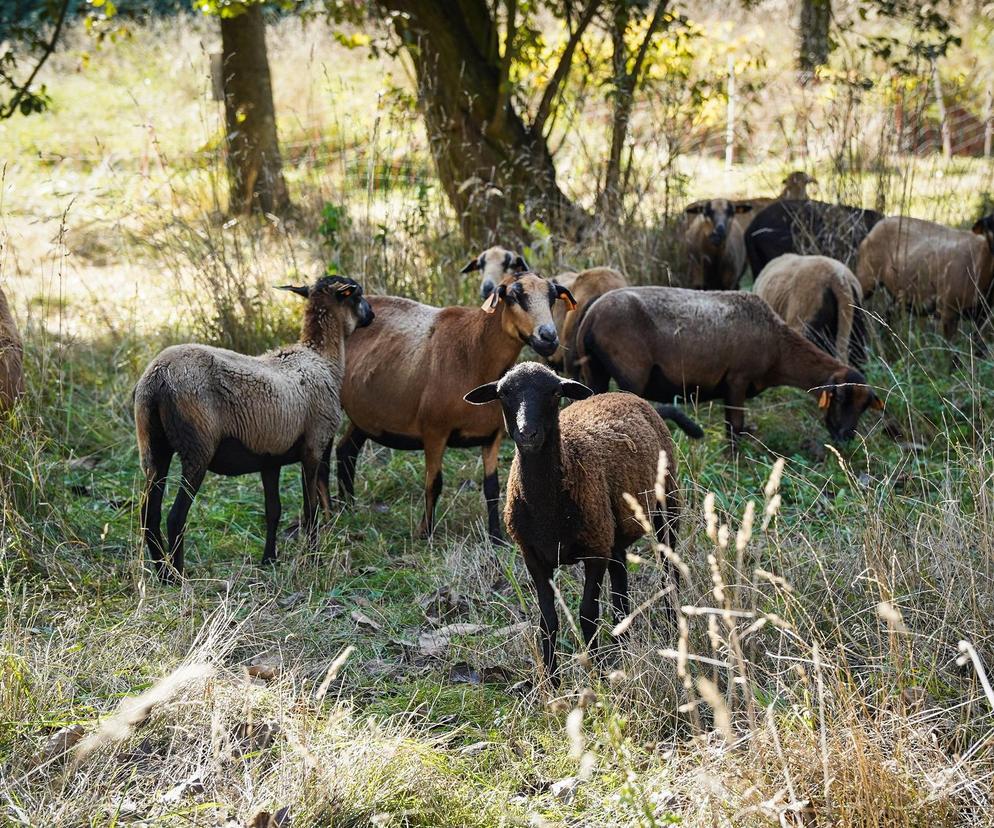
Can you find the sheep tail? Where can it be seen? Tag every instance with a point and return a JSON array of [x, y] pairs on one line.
[[681, 420]]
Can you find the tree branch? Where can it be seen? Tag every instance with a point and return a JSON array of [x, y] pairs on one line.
[[562, 70], [504, 77], [22, 90], [654, 24]]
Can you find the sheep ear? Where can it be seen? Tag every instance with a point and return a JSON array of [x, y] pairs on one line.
[[876, 403], [483, 394], [567, 297], [519, 265], [743, 208], [825, 399], [304, 291], [693, 209], [490, 303], [473, 265], [573, 390]]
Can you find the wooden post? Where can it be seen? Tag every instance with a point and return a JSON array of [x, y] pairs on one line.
[[989, 121], [947, 141], [730, 124]]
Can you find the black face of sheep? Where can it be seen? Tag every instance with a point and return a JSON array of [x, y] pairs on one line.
[[844, 402], [339, 289], [529, 396], [985, 227], [719, 212]]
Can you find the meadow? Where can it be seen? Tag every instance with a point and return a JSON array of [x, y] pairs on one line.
[[830, 666]]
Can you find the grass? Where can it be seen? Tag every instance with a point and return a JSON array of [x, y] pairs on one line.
[[818, 677]]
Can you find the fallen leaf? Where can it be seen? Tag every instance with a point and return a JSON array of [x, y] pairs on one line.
[[475, 749], [250, 737], [87, 462], [266, 672], [188, 787], [436, 642], [565, 789], [361, 618], [264, 819], [58, 744]]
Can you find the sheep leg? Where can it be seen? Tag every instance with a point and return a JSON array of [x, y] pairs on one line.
[[590, 610], [618, 570], [734, 419], [542, 578], [346, 457], [310, 467], [434, 447], [491, 489], [271, 488], [192, 479], [151, 507]]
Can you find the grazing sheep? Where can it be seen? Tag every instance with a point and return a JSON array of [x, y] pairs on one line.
[[565, 491], [931, 268], [585, 286], [495, 263], [662, 342], [807, 227], [11, 357], [820, 299], [715, 250], [233, 414], [405, 379]]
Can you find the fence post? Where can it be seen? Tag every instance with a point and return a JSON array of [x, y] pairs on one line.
[[947, 141]]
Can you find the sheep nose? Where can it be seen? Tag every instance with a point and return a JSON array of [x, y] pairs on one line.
[[547, 333]]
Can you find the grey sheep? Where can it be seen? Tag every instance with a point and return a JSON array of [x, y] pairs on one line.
[[234, 414]]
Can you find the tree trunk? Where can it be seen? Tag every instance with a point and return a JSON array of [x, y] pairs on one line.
[[488, 160], [255, 169], [816, 15]]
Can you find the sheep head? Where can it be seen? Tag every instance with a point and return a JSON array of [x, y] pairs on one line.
[[338, 297], [529, 395], [844, 398], [718, 212], [495, 263]]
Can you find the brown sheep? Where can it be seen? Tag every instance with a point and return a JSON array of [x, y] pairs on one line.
[[233, 414], [565, 491], [931, 268], [405, 379], [716, 254], [11, 357], [662, 342], [819, 298], [585, 286], [494, 264]]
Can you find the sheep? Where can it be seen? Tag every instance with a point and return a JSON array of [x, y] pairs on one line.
[[715, 249], [495, 263], [233, 414], [405, 379], [807, 227], [931, 268], [565, 491], [585, 286], [11, 357], [819, 298], [662, 342], [795, 188]]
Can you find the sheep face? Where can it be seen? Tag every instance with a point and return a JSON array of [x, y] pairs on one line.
[[495, 263], [337, 296], [795, 186], [718, 212], [844, 400], [985, 227], [529, 395], [528, 301]]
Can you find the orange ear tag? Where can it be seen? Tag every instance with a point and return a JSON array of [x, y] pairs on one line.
[[824, 400], [490, 303]]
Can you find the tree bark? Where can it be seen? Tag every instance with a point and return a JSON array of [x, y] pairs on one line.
[[255, 169], [816, 15], [489, 161]]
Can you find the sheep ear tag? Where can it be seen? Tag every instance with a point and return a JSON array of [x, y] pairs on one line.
[[824, 400], [490, 303], [345, 290]]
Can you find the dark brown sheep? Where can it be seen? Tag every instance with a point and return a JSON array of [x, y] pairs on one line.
[[565, 491], [11, 357], [586, 287], [233, 414], [819, 298], [662, 343], [405, 379], [716, 255]]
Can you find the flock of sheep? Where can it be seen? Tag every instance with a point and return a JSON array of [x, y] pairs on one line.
[[415, 377]]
